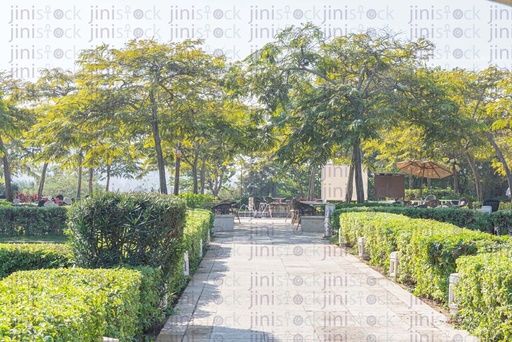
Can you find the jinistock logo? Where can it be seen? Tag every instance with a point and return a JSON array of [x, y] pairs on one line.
[[446, 31], [442, 13], [46, 13], [116, 22], [186, 14], [122, 13], [189, 23]]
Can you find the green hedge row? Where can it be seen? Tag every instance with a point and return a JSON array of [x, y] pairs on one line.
[[32, 220], [484, 295], [199, 225], [23, 257], [108, 230], [428, 249], [75, 304], [464, 218]]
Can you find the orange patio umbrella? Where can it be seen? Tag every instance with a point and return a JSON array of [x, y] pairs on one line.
[[424, 169]]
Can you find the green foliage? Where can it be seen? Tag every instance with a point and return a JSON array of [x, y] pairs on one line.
[[74, 304], [199, 224], [483, 294], [196, 200], [505, 206], [20, 220], [428, 249], [464, 218], [5, 203], [502, 221], [110, 229], [22, 257]]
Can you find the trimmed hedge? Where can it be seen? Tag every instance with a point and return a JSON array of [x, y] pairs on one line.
[[464, 218], [502, 222], [23, 257], [138, 229], [22, 220], [198, 226], [74, 304], [428, 249], [484, 295]]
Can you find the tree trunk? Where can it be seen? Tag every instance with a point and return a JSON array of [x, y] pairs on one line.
[[358, 169], [158, 144], [350, 184], [41, 181], [203, 174], [455, 179], [107, 186], [79, 188], [311, 185], [476, 175], [177, 176], [299, 183], [216, 184], [195, 179], [501, 158], [91, 176], [7, 172]]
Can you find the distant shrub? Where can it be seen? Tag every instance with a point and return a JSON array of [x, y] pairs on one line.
[[196, 201], [464, 218], [22, 257], [21, 220]]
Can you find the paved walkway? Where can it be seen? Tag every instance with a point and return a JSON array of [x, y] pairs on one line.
[[268, 282]]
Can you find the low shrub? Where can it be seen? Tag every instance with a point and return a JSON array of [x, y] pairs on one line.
[[483, 294], [21, 220], [74, 304], [502, 222], [464, 218], [22, 257], [428, 249], [110, 229], [505, 205], [196, 201], [198, 226]]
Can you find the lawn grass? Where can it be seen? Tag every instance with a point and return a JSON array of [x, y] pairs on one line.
[[50, 238]]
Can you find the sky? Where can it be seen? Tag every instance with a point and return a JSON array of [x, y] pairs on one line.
[[471, 34], [50, 33]]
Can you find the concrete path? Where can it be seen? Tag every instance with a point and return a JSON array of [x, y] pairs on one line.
[[268, 282]]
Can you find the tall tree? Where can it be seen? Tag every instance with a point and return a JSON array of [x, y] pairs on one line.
[[152, 82], [15, 118], [346, 81]]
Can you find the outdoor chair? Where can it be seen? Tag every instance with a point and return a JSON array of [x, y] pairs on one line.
[[429, 198], [493, 203], [302, 209], [235, 207], [433, 203], [465, 202], [223, 208]]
